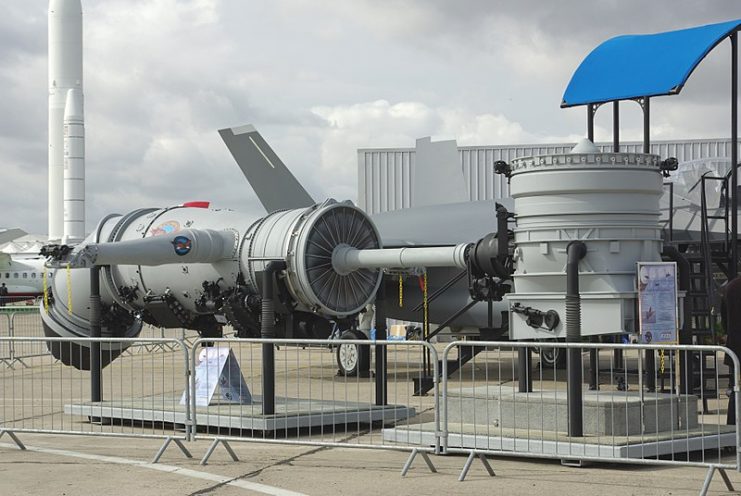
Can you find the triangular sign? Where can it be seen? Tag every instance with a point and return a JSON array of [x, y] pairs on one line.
[[218, 366]]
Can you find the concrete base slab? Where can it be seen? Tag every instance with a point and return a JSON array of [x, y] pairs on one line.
[[521, 442], [291, 413], [606, 413]]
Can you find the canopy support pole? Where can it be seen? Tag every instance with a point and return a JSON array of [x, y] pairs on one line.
[[616, 126], [646, 124], [590, 122], [733, 265]]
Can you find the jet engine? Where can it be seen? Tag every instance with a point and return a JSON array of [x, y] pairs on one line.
[[199, 268]]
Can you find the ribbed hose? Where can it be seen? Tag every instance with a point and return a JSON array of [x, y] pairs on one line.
[[267, 331], [267, 327], [575, 251], [95, 312], [573, 317]]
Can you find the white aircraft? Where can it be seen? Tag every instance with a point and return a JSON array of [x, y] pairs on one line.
[[24, 278]]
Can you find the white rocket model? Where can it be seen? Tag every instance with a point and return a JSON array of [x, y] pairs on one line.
[[74, 168], [65, 73]]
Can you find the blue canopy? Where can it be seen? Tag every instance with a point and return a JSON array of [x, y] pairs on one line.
[[634, 66]]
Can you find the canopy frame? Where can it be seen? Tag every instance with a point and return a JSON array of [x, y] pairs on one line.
[[593, 104]]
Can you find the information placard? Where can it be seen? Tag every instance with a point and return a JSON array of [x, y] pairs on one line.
[[217, 366], [657, 302]]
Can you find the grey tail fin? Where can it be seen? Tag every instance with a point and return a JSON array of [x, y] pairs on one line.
[[438, 177], [273, 183]]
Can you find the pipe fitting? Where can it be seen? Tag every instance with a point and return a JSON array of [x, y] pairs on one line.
[[575, 251], [267, 325]]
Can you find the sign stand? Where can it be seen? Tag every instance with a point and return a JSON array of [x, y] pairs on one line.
[[219, 367]]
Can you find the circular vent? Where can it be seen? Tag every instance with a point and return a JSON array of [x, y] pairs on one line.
[[338, 224]]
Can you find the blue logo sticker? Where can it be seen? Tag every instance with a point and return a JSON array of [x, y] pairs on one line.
[[182, 245]]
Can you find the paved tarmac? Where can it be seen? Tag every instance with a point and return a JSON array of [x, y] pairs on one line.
[[71, 465], [35, 397]]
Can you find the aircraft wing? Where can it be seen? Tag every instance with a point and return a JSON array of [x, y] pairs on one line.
[[273, 183], [438, 225]]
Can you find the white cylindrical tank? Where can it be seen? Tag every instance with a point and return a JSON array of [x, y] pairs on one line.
[[609, 201], [65, 73], [74, 168]]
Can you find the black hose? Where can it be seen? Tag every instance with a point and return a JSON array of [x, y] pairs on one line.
[[267, 331], [686, 364], [96, 374], [381, 350], [575, 251]]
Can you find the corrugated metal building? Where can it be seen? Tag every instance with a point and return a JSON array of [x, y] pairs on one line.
[[385, 174]]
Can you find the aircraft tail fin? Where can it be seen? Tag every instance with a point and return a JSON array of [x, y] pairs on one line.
[[273, 183], [438, 176]]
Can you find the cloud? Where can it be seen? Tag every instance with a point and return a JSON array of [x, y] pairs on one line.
[[384, 124], [319, 78]]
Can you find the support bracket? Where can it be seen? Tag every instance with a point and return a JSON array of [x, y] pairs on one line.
[[213, 446], [15, 439], [411, 458], [469, 461], [709, 478], [164, 446]]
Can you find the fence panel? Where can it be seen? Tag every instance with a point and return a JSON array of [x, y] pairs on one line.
[[187, 336], [314, 403], [6, 354], [141, 395], [642, 404], [27, 324]]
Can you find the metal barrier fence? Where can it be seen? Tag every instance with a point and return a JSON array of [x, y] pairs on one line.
[[314, 404], [27, 324], [6, 355], [648, 404], [141, 395], [635, 411], [187, 336]]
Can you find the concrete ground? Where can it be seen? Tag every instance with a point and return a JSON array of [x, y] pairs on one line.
[[94, 466], [35, 397]]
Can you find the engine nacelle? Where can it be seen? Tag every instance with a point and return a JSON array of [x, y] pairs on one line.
[[197, 268]]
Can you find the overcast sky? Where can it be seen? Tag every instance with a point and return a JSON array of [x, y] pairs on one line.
[[319, 79]]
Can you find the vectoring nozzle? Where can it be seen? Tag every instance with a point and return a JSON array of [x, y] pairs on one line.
[[537, 318]]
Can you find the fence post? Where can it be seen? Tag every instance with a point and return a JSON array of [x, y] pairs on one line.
[[8, 360], [188, 417], [11, 334], [192, 387]]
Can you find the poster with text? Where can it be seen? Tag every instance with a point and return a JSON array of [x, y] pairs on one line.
[[657, 302]]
